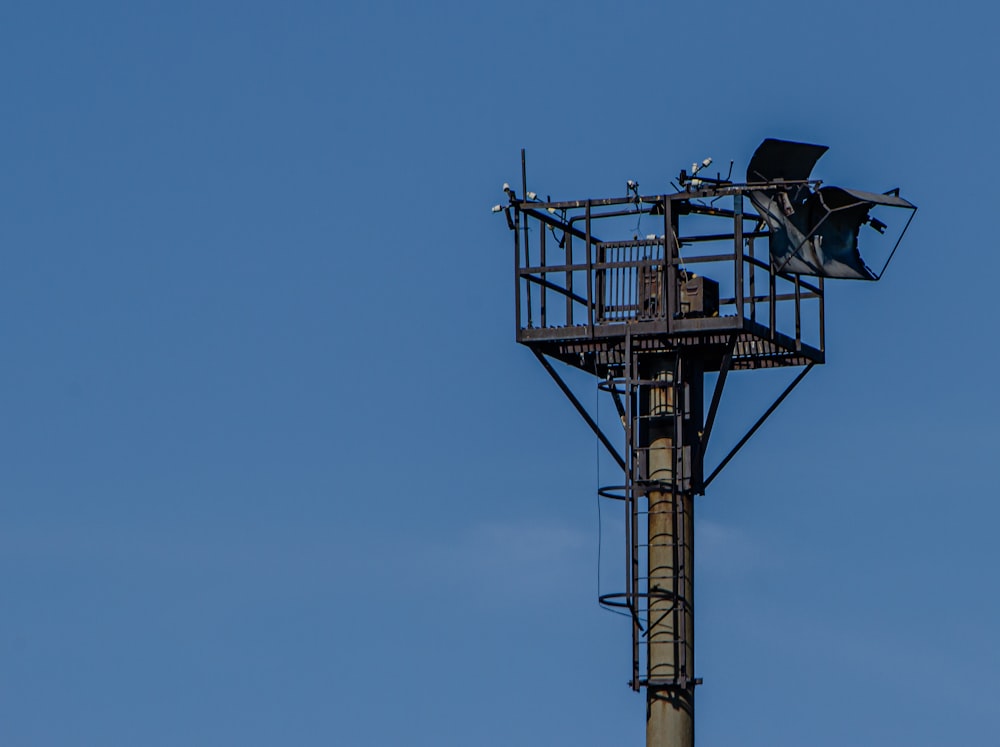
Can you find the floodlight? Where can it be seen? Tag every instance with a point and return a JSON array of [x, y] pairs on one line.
[[813, 229]]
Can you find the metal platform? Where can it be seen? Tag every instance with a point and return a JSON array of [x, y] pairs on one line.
[[580, 297], [752, 344]]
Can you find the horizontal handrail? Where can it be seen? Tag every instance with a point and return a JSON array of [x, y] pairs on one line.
[[640, 279]]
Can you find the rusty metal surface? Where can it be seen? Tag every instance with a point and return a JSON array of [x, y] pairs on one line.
[[579, 294]]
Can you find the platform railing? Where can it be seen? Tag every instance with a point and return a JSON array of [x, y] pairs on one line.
[[569, 278]]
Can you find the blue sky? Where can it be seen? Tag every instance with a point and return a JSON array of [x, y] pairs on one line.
[[273, 470]]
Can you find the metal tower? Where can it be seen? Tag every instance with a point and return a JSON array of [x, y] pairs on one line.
[[633, 310]]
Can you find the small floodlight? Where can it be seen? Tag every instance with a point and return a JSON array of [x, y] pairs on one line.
[[696, 167], [877, 224], [532, 195], [497, 208]]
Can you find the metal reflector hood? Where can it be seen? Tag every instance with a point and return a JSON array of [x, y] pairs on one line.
[[783, 159], [812, 231]]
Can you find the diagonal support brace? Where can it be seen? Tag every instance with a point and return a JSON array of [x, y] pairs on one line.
[[758, 424], [713, 409], [580, 409]]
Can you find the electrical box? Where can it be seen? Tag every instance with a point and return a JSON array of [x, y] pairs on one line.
[[699, 297], [649, 292]]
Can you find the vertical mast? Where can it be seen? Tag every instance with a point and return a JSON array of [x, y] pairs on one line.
[[649, 324], [671, 387]]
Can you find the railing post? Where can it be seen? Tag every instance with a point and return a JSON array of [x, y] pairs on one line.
[[590, 280], [669, 271], [738, 241], [524, 223], [527, 263], [772, 302], [822, 315], [517, 274], [543, 291], [569, 280], [798, 312]]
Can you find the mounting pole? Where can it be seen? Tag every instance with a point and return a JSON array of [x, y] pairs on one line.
[[673, 411]]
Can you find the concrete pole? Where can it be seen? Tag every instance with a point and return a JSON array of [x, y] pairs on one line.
[[670, 648]]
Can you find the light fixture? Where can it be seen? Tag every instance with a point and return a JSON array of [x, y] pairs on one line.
[[813, 229]]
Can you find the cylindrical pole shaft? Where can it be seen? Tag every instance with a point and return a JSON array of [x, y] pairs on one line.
[[670, 648]]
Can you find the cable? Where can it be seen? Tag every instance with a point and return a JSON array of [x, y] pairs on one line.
[[600, 520]]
